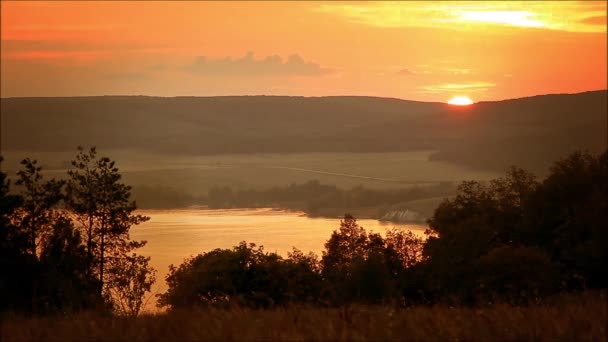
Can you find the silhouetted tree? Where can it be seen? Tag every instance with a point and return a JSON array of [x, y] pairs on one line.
[[362, 267], [39, 198], [16, 262], [35, 216], [516, 275], [103, 207], [304, 277], [244, 276], [130, 278], [568, 218], [557, 222], [64, 270]]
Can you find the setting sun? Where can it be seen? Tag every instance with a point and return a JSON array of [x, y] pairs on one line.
[[460, 101]]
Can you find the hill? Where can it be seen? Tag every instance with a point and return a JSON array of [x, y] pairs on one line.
[[530, 132]]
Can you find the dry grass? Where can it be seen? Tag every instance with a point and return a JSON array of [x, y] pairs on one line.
[[569, 318]]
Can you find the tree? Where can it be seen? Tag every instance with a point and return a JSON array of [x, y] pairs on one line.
[[81, 197], [405, 246], [344, 246], [245, 275], [39, 199], [362, 267], [64, 270], [479, 218], [516, 275], [16, 262], [303, 276], [103, 207], [488, 230], [129, 281], [35, 216], [567, 218]]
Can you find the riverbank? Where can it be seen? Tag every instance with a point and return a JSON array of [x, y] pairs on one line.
[[416, 212]]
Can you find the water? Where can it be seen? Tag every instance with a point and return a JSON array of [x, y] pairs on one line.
[[174, 235]]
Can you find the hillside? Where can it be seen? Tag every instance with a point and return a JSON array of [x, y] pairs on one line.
[[530, 132]]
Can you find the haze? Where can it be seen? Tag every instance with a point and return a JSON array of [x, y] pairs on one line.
[[443, 162], [428, 51]]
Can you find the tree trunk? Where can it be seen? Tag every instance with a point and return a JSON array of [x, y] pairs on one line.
[[89, 245], [33, 234], [35, 276], [102, 250]]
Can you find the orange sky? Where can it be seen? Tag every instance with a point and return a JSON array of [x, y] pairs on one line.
[[428, 51]]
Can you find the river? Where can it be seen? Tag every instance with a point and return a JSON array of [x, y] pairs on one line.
[[174, 235]]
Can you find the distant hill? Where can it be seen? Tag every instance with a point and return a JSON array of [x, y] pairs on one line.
[[530, 132]]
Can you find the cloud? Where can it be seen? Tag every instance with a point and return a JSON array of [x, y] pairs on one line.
[[406, 72], [68, 49], [247, 65], [562, 15], [594, 20], [451, 87], [438, 71]]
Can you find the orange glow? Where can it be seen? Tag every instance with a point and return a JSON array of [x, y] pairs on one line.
[[425, 51], [515, 18], [460, 101]]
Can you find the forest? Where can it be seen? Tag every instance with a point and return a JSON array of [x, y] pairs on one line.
[[515, 241]]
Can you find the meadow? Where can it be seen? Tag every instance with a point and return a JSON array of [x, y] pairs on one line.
[[197, 174], [570, 317], [178, 181]]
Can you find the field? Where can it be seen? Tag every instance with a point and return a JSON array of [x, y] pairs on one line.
[[567, 318], [196, 174]]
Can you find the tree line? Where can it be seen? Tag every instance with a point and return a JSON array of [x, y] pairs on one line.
[[64, 244], [313, 196], [514, 239]]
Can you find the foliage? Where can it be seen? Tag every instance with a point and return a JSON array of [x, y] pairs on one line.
[[357, 267], [15, 259], [245, 275], [47, 267], [102, 205], [63, 261], [38, 199], [567, 218], [512, 240], [516, 275], [130, 279], [314, 197], [557, 225]]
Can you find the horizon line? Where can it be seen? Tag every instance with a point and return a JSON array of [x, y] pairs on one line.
[[294, 96]]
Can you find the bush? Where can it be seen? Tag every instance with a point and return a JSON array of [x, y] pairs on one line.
[[243, 276], [515, 275]]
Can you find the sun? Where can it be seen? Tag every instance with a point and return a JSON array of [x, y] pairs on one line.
[[460, 101]]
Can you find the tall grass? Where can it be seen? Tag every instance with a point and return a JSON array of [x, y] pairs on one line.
[[580, 317]]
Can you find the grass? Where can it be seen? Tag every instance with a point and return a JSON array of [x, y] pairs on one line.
[[581, 317], [196, 174]]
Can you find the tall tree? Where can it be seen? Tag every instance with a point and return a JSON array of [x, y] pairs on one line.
[[39, 198], [15, 261], [82, 195], [35, 216], [104, 208]]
